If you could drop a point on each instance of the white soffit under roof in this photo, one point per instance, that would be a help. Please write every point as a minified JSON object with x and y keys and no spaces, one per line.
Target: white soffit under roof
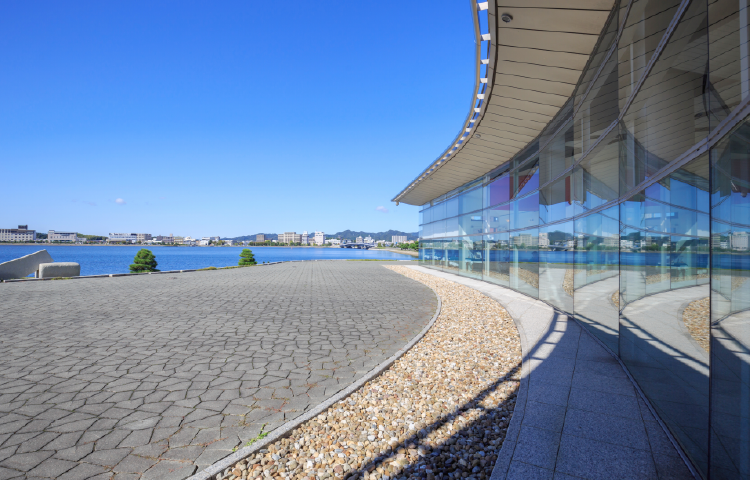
{"x":535,"y":62}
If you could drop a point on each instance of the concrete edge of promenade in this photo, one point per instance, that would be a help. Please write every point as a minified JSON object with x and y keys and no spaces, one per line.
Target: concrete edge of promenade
{"x":285,"y":429}
{"x":111,"y":275}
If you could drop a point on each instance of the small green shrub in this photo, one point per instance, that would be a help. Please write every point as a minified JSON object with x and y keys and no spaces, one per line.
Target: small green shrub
{"x":144,"y":261}
{"x":246,"y":257}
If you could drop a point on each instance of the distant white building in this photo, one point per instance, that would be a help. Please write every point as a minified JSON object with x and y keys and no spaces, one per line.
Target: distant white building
{"x":290,"y":237}
{"x":333,"y":241}
{"x":122,"y":237}
{"x":53,"y":236}
{"x":229,"y":242}
{"x":20,"y":234}
{"x":320,"y":238}
{"x":205,"y":241}
{"x":368,"y":239}
{"x":739,"y":241}
{"x":214,"y":239}
{"x":396,"y":239}
{"x":543,"y":239}
{"x":612,"y":240}
{"x":142,"y":237}
{"x":305,"y":238}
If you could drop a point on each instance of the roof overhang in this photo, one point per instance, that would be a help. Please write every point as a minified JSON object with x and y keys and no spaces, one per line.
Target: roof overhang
{"x":532,"y":65}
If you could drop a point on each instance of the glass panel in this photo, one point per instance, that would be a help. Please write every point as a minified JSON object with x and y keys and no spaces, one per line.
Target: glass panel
{"x":439,"y":253}
{"x":664,"y":329}
{"x":599,"y":109}
{"x":557,"y":156}
{"x":451,"y":207}
{"x":632,"y":254}
{"x":496,"y":254}
{"x":556,"y":201}
{"x":427,"y":215}
{"x":524,"y":261}
{"x":451,"y":227}
{"x":730,"y":305}
{"x":531,"y":150}
{"x":470,"y":201}
{"x":438,"y":229}
{"x":600,"y":52}
{"x":497,"y":219}
{"x":525,"y":212}
{"x":470,"y":224}
{"x":452,"y":255}
{"x":472,"y":257}
{"x":525,"y":179}
{"x":499,"y":190}
{"x":644,"y":29}
{"x":595,"y":281}
{"x":728,"y":46}
{"x":438,"y":212}
{"x":667,"y":116}
{"x":556,"y":263}
{"x":597,"y":176}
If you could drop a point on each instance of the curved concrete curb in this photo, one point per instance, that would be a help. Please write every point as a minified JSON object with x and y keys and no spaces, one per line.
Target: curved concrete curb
{"x":286,"y":428}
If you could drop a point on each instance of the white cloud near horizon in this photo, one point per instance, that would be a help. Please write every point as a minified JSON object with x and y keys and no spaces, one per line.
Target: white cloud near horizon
{"x":120,"y":201}
{"x":382,"y":209}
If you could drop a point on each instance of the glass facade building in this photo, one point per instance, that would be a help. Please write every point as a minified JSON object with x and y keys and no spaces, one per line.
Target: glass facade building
{"x":630,"y":211}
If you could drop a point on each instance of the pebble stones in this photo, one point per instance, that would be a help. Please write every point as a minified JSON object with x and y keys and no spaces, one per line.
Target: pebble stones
{"x":440,"y":411}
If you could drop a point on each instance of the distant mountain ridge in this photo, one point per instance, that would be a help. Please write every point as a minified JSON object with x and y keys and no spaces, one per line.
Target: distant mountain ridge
{"x":345,"y":235}
{"x":251,"y":238}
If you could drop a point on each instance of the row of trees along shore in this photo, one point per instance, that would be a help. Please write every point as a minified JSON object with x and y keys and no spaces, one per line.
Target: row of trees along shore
{"x":145,"y":261}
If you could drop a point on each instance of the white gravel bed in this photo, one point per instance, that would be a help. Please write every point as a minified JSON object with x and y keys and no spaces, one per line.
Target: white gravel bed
{"x":440,"y":411}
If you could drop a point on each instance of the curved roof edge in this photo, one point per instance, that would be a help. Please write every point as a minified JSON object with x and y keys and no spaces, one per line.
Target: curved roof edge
{"x":534,"y":54}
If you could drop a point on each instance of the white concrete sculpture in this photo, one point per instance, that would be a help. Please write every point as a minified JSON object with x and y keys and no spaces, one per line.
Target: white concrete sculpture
{"x":24,"y":266}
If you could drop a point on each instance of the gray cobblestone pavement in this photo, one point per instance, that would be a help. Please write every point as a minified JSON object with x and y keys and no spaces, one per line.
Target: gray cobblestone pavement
{"x":158,"y":376}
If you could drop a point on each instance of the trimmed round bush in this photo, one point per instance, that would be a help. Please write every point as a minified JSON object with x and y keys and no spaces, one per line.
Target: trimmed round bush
{"x":144,"y":261}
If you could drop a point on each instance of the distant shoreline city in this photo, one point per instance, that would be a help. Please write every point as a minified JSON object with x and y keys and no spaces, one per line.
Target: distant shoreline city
{"x":24,"y":235}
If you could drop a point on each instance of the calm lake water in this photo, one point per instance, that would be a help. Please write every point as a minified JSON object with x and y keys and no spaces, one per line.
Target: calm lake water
{"x":98,"y":260}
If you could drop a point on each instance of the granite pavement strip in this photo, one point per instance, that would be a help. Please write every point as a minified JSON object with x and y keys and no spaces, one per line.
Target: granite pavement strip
{"x":577,"y":414}
{"x":157,"y":376}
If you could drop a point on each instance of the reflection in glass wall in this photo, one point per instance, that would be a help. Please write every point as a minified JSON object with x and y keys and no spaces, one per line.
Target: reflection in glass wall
{"x":471,"y":260}
{"x":556,"y":265}
{"x":730,"y":306}
{"x":667,"y":115}
{"x":664,"y":301}
{"x":497,"y":254}
{"x":652,"y":256}
{"x":595,"y":282}
{"x":728,"y":46}
{"x":524,"y":261}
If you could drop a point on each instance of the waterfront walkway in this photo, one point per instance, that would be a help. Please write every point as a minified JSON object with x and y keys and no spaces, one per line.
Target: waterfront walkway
{"x":156,"y":376}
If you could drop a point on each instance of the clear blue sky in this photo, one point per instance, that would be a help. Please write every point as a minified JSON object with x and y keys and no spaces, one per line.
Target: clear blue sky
{"x":225,"y":118}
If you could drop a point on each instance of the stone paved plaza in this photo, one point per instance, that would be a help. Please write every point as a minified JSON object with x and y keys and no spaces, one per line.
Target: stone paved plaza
{"x":158,"y":376}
